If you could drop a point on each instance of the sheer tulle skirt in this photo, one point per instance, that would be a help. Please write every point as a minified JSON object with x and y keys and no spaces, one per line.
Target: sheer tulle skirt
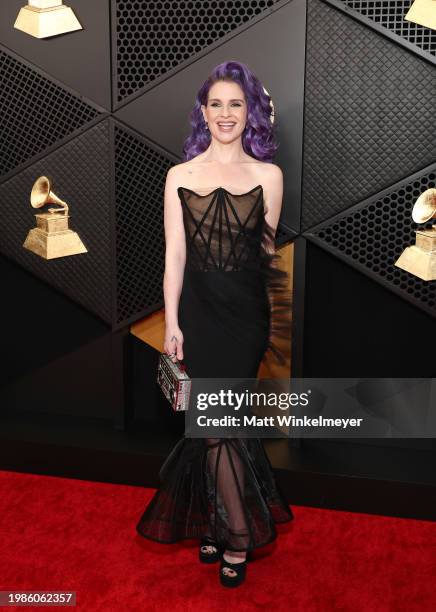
{"x":224,"y":488}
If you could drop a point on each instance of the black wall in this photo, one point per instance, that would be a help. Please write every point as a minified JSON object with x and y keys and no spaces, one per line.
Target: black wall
{"x":357,"y":328}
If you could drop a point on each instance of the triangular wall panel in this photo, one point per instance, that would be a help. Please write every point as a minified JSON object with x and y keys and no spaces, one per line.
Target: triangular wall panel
{"x":372,"y":236}
{"x":81,"y":173}
{"x":35,"y":112}
{"x":369,"y":115}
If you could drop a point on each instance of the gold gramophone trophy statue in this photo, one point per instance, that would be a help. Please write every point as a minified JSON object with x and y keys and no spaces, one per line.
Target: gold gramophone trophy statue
{"x":420,"y":259}
{"x":51,"y":237}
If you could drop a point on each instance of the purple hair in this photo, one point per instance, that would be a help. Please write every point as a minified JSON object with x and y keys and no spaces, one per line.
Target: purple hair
{"x":258,"y":138}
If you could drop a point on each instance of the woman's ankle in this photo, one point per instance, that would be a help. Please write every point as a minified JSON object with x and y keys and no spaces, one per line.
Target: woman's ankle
{"x":233,"y":556}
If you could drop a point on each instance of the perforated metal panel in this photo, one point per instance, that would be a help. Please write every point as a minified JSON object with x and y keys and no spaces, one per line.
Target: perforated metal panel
{"x":34,"y":112}
{"x":154,"y":37}
{"x":390,"y":14}
{"x":80,"y":170}
{"x":369,"y":117}
{"x":140,"y":173}
{"x":375,"y":234}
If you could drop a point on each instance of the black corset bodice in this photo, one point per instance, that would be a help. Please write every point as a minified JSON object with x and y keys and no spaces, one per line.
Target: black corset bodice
{"x":223,"y":230}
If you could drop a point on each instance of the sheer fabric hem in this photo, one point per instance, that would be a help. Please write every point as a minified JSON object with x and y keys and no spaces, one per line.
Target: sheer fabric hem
{"x":221,"y":488}
{"x":199,"y":536}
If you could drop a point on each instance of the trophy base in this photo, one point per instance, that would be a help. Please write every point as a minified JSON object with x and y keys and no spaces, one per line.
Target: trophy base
{"x":418,"y":262}
{"x":46,"y":22}
{"x":51,"y":246}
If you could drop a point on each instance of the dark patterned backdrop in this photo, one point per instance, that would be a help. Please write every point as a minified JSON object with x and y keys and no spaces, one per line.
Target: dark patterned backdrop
{"x":390,"y":15}
{"x":154,"y":37}
{"x":360,"y":153}
{"x":374,"y":233}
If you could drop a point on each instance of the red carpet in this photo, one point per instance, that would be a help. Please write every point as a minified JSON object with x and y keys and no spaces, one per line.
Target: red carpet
{"x":59,"y":534}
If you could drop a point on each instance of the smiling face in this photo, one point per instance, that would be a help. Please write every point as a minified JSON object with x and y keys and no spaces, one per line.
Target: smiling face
{"x":226,"y":111}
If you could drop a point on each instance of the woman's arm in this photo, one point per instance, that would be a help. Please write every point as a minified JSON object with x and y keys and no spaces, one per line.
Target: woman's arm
{"x":175,"y":258}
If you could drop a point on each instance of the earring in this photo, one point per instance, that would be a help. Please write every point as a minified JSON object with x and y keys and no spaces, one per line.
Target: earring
{"x":206,"y":127}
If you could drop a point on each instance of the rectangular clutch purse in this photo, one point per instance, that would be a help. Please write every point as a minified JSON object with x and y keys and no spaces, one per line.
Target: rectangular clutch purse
{"x":174,"y":382}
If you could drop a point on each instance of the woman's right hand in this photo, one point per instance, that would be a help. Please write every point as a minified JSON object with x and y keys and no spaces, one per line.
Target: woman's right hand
{"x":174,"y":342}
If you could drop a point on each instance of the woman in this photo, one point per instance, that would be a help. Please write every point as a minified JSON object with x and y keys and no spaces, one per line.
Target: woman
{"x":225,"y":301}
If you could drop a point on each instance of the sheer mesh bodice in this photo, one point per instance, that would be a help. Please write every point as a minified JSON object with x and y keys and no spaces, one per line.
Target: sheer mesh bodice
{"x":223,"y":230}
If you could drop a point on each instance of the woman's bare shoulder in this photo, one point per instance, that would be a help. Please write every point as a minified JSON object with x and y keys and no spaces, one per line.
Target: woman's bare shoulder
{"x":184,"y":167}
{"x":180,"y":168}
{"x":186,"y":173}
{"x":271,"y":169}
{"x":269,"y":173}
{"x":175,"y":173}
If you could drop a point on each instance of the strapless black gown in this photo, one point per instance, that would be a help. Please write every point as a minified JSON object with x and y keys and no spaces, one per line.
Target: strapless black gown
{"x":233,"y":305}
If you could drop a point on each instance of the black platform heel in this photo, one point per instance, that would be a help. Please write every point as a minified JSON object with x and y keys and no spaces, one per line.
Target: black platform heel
{"x":232,"y":574}
{"x":206,"y":556}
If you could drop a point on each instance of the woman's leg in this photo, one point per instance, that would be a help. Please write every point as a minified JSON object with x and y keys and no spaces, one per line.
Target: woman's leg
{"x":227,"y":473}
